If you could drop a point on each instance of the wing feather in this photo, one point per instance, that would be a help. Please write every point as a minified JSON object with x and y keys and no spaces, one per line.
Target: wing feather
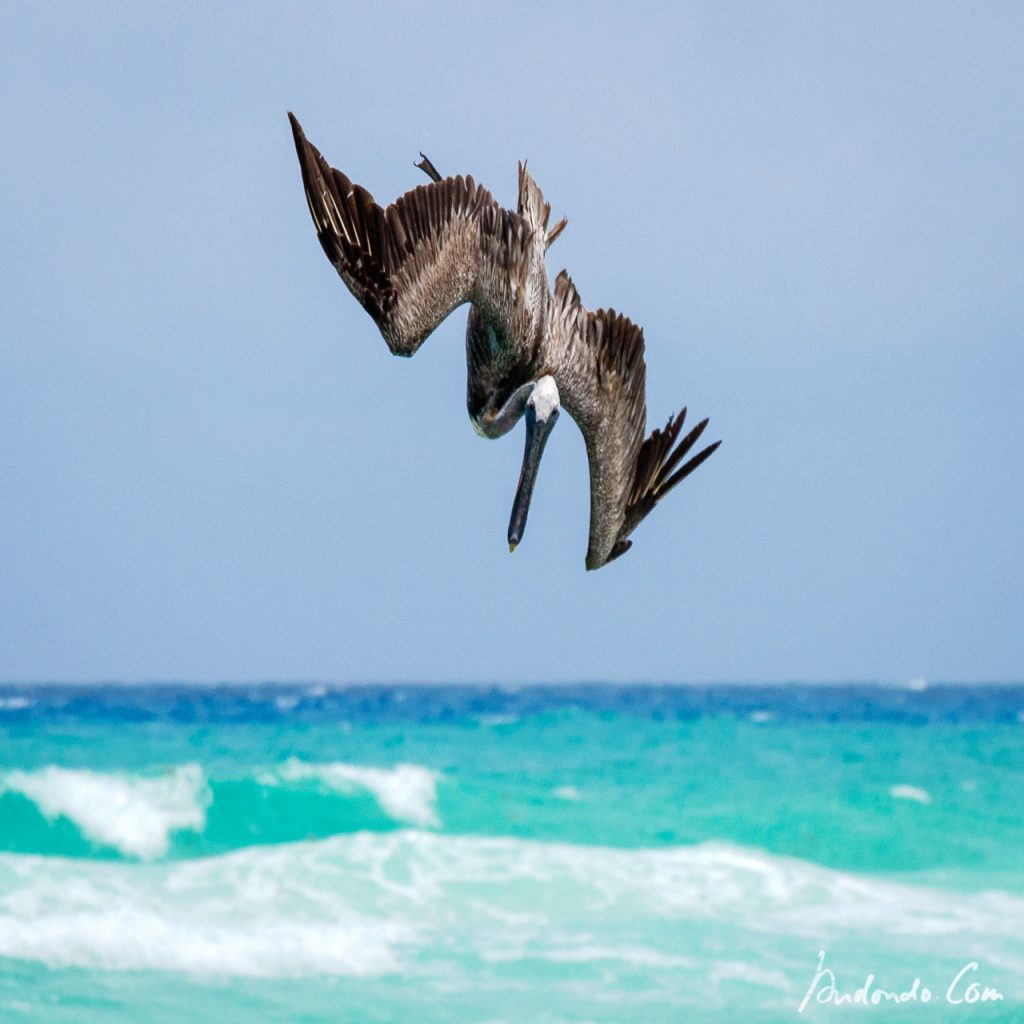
{"x":602,"y":381}
{"x":410,"y":265}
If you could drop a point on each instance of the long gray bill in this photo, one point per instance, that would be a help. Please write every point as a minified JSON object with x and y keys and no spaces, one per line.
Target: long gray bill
{"x":536,"y":438}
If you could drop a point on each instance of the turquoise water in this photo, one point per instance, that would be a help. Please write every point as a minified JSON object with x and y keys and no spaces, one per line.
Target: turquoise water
{"x":483,"y":854}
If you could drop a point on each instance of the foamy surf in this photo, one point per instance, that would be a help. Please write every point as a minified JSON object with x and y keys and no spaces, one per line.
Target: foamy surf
{"x":134,"y":814}
{"x":413,"y":902}
{"x":115,"y":917}
{"x":904,"y":791}
{"x":407,"y":792}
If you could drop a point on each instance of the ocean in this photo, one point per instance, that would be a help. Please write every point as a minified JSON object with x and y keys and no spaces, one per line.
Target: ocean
{"x":315,"y":853}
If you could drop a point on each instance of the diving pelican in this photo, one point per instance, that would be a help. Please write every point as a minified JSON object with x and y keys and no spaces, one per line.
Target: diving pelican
{"x":529,"y":349}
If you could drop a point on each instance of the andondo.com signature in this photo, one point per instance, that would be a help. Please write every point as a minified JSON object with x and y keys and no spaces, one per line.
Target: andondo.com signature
{"x":962,"y":990}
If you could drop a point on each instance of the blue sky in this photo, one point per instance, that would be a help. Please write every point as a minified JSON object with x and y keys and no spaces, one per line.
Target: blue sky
{"x":213,"y":469}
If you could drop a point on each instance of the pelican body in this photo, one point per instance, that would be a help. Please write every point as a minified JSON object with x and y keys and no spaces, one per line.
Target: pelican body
{"x":530,"y":348}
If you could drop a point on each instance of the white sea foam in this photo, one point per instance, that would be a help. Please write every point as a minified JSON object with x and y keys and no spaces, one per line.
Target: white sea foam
{"x":417,"y":902}
{"x":493,"y":721}
{"x":631,"y":954}
{"x":133,"y":813}
{"x":406,"y":792}
{"x":224,"y":916}
{"x":15,"y":703}
{"x":745,"y":971}
{"x":904,"y":791}
{"x":567,"y":793}
{"x":762,"y":717}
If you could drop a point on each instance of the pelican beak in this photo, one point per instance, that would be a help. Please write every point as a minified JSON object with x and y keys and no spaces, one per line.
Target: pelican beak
{"x":537,"y":431}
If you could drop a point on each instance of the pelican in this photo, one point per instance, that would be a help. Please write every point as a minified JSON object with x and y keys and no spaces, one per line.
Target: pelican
{"x":529,"y":348}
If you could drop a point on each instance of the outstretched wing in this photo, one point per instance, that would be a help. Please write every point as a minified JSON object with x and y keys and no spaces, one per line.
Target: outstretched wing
{"x":433,"y":249}
{"x":602,"y":383}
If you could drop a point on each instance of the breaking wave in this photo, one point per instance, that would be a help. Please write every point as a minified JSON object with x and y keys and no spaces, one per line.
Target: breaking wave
{"x":134,"y":814}
{"x":68,"y":811}
{"x":408,"y":901}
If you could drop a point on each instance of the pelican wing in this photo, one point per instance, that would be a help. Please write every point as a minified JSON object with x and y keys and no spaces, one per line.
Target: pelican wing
{"x":602,"y":381}
{"x":431,"y":250}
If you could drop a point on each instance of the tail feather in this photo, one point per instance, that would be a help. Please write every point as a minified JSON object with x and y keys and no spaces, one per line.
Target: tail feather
{"x":555,"y":232}
{"x":532,"y":207}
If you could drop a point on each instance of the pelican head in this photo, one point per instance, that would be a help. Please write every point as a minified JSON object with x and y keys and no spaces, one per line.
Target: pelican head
{"x":541,"y":415}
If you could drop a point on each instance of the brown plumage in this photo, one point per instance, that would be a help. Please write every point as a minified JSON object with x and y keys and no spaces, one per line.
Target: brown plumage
{"x":449,"y":242}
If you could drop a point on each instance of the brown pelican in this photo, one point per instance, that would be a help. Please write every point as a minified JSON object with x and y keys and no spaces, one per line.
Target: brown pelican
{"x":528,"y":349}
